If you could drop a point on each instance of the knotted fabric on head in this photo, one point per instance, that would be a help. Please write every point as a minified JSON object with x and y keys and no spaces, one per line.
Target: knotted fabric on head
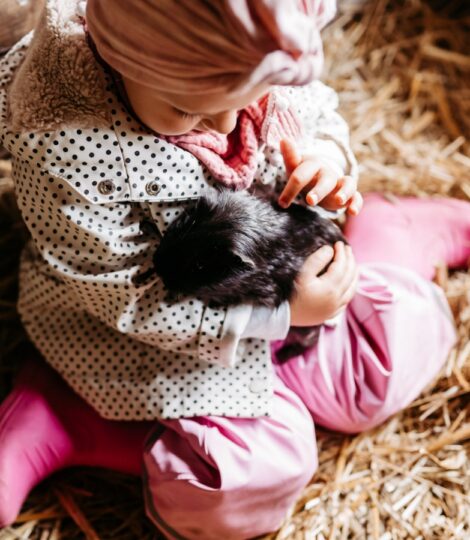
{"x":199,"y":46}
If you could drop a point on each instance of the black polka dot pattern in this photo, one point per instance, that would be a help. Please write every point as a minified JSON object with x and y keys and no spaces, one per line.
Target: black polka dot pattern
{"x":13,"y":58}
{"x":124,"y":346}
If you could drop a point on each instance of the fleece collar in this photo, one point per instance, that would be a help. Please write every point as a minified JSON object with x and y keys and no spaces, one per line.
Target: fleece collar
{"x":60,"y":82}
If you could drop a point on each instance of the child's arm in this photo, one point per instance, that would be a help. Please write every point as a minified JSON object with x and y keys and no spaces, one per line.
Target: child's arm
{"x":323,"y":148}
{"x":89,"y":256}
{"x":90,"y":253}
{"x":95,"y":267}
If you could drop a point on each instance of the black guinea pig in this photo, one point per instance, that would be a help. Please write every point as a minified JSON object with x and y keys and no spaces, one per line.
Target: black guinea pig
{"x":233,"y":248}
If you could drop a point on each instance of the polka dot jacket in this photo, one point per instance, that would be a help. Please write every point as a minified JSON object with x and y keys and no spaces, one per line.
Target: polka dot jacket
{"x":86,"y":175}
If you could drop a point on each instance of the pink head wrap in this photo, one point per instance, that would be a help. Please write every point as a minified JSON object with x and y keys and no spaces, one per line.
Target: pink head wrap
{"x":198,"y":46}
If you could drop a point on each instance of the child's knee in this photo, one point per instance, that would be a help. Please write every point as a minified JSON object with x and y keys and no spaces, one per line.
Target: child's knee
{"x":227,"y":478}
{"x":389,"y":345}
{"x":232,"y":503}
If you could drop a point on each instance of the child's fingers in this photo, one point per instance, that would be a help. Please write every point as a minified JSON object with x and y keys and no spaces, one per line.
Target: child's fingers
{"x":325,"y":184}
{"x":342,"y":195}
{"x":292,"y":159}
{"x":347,"y":191}
{"x":317,"y":261}
{"x":349,"y":271}
{"x":329,"y":202}
{"x":351,"y":291}
{"x":355,"y":205}
{"x":303,"y":176}
{"x":336,"y":269}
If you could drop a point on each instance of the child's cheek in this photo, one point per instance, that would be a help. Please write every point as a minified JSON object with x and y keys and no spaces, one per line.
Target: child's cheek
{"x":171,"y":125}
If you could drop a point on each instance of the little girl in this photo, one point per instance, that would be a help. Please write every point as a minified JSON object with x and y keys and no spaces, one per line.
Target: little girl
{"x":118,"y":112}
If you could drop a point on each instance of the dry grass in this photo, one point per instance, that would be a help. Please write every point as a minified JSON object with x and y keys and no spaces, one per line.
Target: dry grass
{"x":402,"y":70}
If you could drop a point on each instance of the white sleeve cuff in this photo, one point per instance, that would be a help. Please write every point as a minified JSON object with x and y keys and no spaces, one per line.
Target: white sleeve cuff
{"x":333,"y":149}
{"x":328,"y":149}
{"x":246,"y":321}
{"x":268,"y":323}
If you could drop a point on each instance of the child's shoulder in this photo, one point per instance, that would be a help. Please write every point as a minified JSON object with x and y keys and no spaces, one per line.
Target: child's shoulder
{"x":9,"y":64}
{"x":53,"y":79}
{"x":33,"y":129}
{"x":117,"y":161}
{"x":12,"y":59}
{"x":72,"y":126}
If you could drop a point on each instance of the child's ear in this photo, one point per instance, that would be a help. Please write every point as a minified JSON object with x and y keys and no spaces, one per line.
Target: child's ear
{"x":226,"y":262}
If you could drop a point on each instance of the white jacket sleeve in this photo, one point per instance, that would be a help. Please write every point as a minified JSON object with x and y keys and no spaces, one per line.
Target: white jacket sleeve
{"x":325,"y":133}
{"x":91,"y":254}
{"x":267,"y":323}
{"x":246,"y":321}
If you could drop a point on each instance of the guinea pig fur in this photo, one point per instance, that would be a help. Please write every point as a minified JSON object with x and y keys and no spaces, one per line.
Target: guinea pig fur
{"x":234,"y":248}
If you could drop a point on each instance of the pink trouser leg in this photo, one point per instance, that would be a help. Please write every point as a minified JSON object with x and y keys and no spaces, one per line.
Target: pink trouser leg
{"x":235,"y":478}
{"x":45,"y":426}
{"x":215,"y":478}
{"x":413,"y":233}
{"x":395,"y":335}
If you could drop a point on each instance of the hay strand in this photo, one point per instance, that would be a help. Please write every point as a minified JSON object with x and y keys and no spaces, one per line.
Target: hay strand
{"x":401,"y":68}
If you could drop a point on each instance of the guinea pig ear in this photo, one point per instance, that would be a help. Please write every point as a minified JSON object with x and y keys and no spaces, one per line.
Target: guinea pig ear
{"x":244,"y":259}
{"x":208,"y":200}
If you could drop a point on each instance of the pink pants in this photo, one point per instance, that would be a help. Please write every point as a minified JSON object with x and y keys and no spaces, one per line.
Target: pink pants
{"x":211,"y":478}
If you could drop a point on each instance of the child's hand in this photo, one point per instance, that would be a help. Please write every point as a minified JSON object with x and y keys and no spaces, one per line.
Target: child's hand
{"x":322,"y":181}
{"x":319,"y":298}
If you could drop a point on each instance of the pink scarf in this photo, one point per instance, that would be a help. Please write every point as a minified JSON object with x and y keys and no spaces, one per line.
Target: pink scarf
{"x":233,"y":159}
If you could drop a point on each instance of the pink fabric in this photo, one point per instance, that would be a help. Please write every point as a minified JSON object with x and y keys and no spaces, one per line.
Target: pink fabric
{"x":45,"y":426}
{"x":197,"y":47}
{"x":232,"y":478}
{"x":392,"y":341}
{"x":415,"y":233}
{"x":232,"y":159}
{"x":204,"y":476}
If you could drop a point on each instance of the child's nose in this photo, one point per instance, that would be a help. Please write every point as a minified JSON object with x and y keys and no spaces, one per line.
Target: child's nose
{"x":224,"y":122}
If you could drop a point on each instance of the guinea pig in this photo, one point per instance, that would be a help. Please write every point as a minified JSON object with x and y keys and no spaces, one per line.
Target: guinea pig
{"x":233,"y":247}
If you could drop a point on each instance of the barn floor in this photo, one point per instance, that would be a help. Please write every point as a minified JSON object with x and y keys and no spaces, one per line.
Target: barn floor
{"x":402,"y":72}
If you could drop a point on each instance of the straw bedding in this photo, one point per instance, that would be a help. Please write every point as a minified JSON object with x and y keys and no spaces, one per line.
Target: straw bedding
{"x":402,"y":69}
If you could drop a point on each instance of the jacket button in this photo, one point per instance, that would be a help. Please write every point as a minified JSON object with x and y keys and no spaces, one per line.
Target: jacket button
{"x":152,"y":188}
{"x":257,"y":385}
{"x":106,"y":187}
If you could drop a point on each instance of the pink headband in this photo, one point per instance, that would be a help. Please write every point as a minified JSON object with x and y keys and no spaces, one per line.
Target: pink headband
{"x":198,"y":46}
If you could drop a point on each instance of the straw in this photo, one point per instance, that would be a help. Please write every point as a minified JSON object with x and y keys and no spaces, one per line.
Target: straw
{"x":402,"y":70}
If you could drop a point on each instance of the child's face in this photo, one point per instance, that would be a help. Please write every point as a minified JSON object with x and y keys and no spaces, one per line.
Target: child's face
{"x":176,"y":114}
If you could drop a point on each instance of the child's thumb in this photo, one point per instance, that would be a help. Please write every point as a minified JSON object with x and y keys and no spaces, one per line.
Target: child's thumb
{"x":291,"y":157}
